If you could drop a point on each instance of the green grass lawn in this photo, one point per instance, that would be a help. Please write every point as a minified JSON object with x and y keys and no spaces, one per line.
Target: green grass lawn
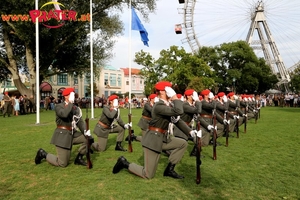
{"x":260,"y":164}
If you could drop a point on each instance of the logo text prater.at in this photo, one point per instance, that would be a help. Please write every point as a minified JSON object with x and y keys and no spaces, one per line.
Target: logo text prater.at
{"x":47,"y":16}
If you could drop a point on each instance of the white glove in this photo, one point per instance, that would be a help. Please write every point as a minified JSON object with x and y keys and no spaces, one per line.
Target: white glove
{"x":226,"y":122}
{"x":126,"y":126}
{"x":199,"y":133}
{"x":156,"y":99}
{"x":87,"y":133}
{"x":72,"y":97}
{"x":235,"y":97}
{"x":115,"y":102}
{"x":195,"y":96}
{"x":182,"y":98}
{"x":225,"y":99}
{"x":211,"y":95}
{"x":170,"y":92}
{"x":209,"y":127}
{"x":175,"y":119}
{"x":245,"y":115}
{"x":245,"y":99}
{"x":193,"y":133}
{"x":236,"y":116}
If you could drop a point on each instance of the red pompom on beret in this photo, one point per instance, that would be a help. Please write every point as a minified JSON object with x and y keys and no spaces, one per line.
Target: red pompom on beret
{"x":205,"y":92}
{"x":162,"y":84}
{"x":178,"y":96}
{"x":67,"y":91}
{"x":189,"y":92}
{"x":152,"y":96}
{"x":112,"y":97}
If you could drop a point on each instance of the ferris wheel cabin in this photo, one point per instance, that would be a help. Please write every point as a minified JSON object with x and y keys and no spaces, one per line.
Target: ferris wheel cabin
{"x":178,"y":29}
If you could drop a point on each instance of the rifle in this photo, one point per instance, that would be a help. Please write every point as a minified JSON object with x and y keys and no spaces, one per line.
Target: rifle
{"x":246,"y":118}
{"x":227,"y":126}
{"x":214,"y":133}
{"x":198,"y":152}
{"x":129,"y":134}
{"x":88,"y":145}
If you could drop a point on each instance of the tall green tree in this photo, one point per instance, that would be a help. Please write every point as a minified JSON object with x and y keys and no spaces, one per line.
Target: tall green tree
{"x":65,"y":49}
{"x":183,"y":69}
{"x":235,"y":64}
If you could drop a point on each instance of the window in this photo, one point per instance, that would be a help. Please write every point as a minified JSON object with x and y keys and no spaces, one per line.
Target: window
{"x":127,"y":82}
{"x":75,"y":79}
{"x":62,"y":79}
{"x":119,"y":80}
{"x":113,"y":80}
{"x":141,"y":82}
{"x":87,"y":79}
{"x":106,"y":79}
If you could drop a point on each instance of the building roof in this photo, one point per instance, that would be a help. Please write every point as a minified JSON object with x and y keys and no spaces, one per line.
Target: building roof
{"x":108,"y":67}
{"x":134,"y":71}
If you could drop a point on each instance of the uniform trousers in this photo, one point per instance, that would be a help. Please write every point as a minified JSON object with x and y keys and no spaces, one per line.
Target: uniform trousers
{"x":63,"y":155}
{"x":176,"y":145}
{"x":102,"y":141}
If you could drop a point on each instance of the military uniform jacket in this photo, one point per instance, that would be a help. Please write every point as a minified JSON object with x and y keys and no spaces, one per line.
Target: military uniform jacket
{"x":7,"y":100}
{"x":161,"y":117}
{"x":233,"y":107}
{"x":207,"y":109}
{"x":146,"y":116}
{"x":107,"y":117}
{"x":64,"y":116}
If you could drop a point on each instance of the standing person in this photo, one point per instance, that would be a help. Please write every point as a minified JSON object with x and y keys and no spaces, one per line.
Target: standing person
{"x":157,"y":139}
{"x":106,"y":125}
{"x":146,"y":116}
{"x":26,"y":104}
{"x":17,"y":106}
{"x":47,"y":102}
{"x":7,"y":105}
{"x":68,"y":118}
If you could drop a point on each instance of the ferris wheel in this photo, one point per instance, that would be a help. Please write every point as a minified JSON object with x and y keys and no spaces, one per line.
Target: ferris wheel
{"x":211,"y":23}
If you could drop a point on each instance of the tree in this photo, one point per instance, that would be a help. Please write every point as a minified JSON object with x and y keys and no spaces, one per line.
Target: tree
{"x":95,"y":89}
{"x":64,"y":49}
{"x":236,"y":64}
{"x":174,"y":65}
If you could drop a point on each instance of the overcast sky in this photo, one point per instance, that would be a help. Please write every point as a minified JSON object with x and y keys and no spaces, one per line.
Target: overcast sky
{"x":215,"y":23}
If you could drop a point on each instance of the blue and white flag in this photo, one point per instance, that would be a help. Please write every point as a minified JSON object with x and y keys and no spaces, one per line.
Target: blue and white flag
{"x":138,"y":26}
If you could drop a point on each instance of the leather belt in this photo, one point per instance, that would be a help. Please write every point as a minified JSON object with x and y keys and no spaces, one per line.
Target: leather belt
{"x":145,"y":117}
{"x":65,"y":127}
{"x":206,"y":116}
{"x":102,"y":124}
{"x":152,"y":128}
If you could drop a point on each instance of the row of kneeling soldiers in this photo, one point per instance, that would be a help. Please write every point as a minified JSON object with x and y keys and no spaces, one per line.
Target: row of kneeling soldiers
{"x":168,"y":122}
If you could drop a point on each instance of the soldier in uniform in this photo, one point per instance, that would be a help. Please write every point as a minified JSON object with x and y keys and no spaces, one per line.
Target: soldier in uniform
{"x":157,"y":138}
{"x":235,"y":112}
{"x":209,"y":107}
{"x":106,"y":125}
{"x":146,"y":116}
{"x":7,"y":105}
{"x":68,"y":117}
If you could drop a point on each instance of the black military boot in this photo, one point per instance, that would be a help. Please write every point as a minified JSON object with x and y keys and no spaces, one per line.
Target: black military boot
{"x":169,"y":171}
{"x":119,"y":147}
{"x":79,"y":160}
{"x":41,"y":154}
{"x":121,"y":164}
{"x":194,"y":151}
{"x":133,"y":137}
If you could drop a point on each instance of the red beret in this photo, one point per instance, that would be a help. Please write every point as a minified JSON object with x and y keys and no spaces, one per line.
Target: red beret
{"x":152,"y":96}
{"x":221,"y":94}
{"x":112,"y":97}
{"x":205,"y":92}
{"x":230,"y":94}
{"x":67,"y":91}
{"x":5,"y":92}
{"x":189,"y":92}
{"x":200,"y":98}
{"x":178,"y":96}
{"x":162,"y":84}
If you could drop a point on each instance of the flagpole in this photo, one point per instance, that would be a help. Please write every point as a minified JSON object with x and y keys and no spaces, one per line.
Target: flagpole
{"x":91,"y":61}
{"x":37,"y":66}
{"x":130,"y":25}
